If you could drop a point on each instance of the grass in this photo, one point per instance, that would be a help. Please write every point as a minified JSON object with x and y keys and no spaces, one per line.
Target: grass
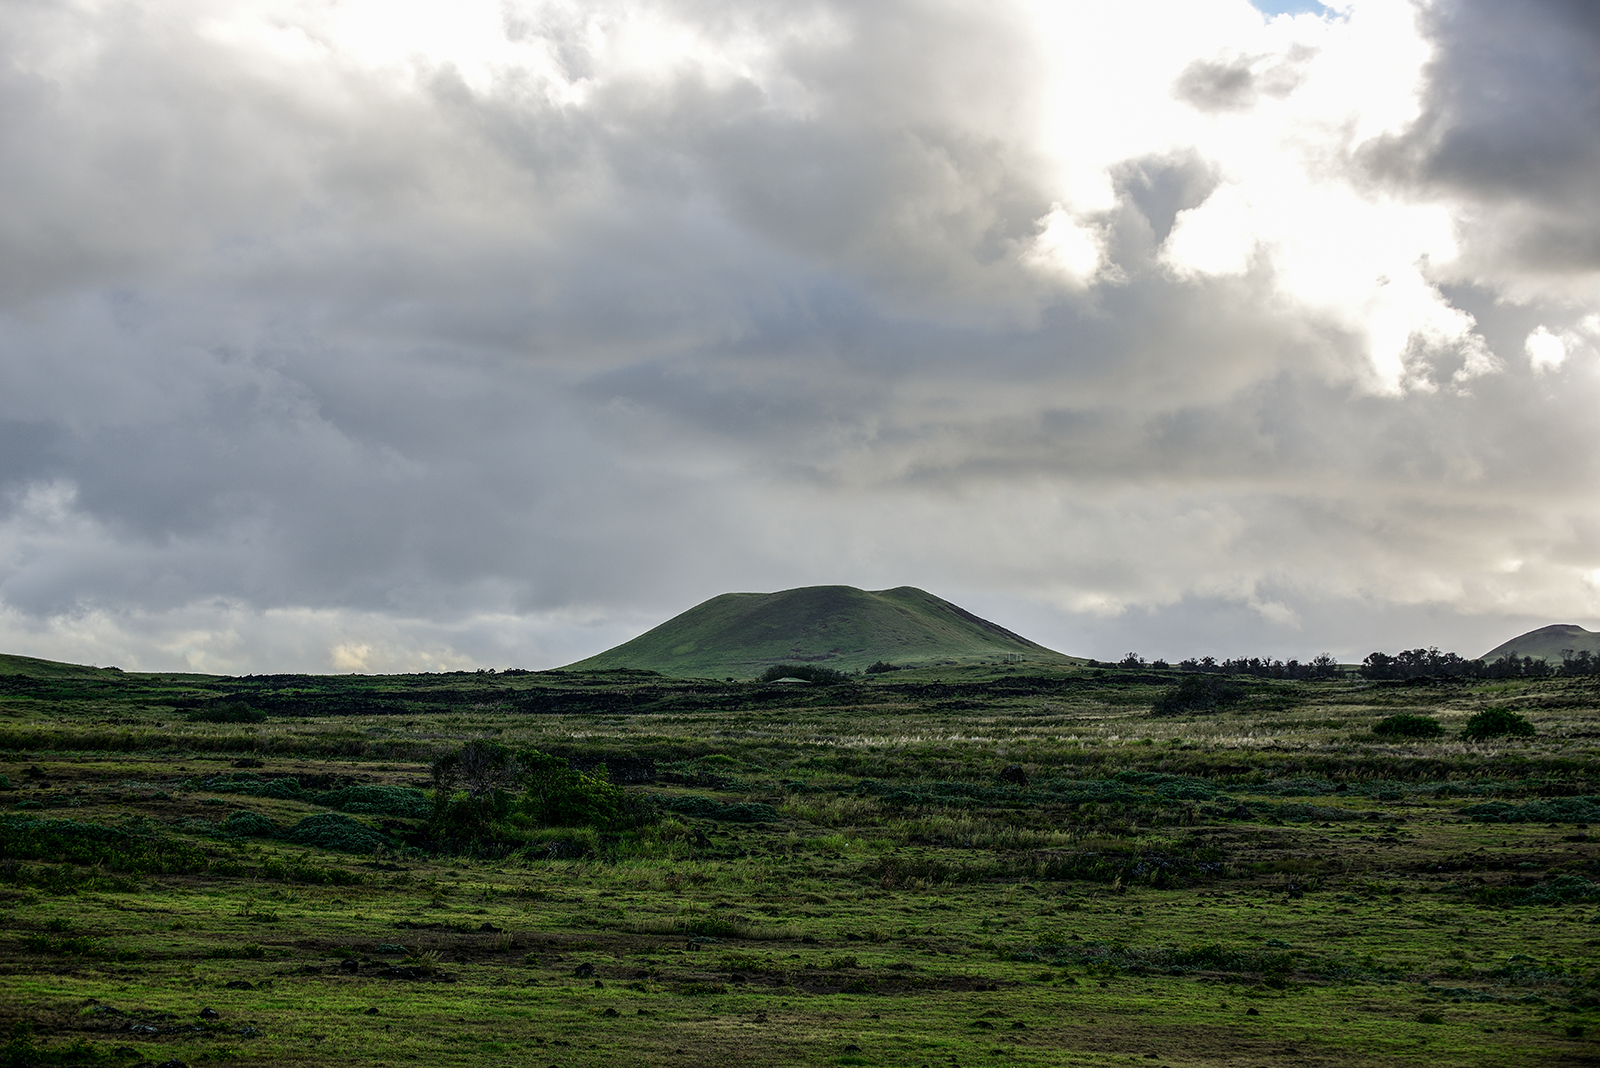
{"x":836,"y":876}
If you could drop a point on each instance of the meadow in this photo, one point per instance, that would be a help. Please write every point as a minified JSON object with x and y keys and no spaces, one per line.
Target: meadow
{"x":988,"y":864}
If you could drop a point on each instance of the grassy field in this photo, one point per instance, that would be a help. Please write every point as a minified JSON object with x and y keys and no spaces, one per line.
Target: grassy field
{"x":808,"y":876}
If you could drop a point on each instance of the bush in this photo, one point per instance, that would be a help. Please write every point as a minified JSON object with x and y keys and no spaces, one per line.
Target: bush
{"x":561,"y":797}
{"x":284,"y":789}
{"x":398,"y":802}
{"x":1407,"y":725}
{"x":820,"y":675}
{"x":1197,"y":693}
{"x":247,"y":824}
{"x":880,"y":667}
{"x":329,"y":830}
{"x":481,"y":784}
{"x":1496,"y":723}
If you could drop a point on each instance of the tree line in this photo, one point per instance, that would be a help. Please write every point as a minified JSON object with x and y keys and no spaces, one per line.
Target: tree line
{"x":1407,"y":664}
{"x":1431,"y":663}
{"x":1322,"y":666}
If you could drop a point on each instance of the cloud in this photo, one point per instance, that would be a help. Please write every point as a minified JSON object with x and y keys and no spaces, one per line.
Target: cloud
{"x":356,"y":337}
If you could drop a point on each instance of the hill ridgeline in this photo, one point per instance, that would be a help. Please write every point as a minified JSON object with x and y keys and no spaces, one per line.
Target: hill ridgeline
{"x":739,"y":635}
{"x":1547,"y":643}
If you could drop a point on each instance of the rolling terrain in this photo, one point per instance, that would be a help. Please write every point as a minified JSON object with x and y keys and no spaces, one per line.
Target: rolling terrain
{"x":1022,"y":865}
{"x":738,"y":635}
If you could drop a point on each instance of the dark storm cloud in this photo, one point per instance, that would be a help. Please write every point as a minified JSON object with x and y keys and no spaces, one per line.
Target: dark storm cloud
{"x":1512,"y":121}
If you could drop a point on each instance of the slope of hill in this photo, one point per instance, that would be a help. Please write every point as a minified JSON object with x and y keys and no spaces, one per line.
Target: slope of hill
{"x":48,"y":669}
{"x":739,"y":635}
{"x":1546,"y":643}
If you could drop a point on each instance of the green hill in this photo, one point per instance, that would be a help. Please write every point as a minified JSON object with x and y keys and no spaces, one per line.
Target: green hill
{"x":739,"y":635}
{"x":48,"y":669}
{"x":1547,"y":643}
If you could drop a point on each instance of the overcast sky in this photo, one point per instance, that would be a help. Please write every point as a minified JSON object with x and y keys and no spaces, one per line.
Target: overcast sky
{"x":366,"y":335}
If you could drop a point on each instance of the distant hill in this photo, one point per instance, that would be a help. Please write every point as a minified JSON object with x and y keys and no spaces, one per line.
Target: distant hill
{"x":739,"y":635}
{"x":1546,"y":643}
{"x":48,"y":669}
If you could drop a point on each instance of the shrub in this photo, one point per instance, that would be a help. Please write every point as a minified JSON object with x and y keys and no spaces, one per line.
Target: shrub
{"x":1197,"y":693}
{"x":1407,"y":725}
{"x":476,"y":791}
{"x":879,"y":667}
{"x":562,"y":797}
{"x":249,"y":824}
{"x":820,"y":675}
{"x":329,"y":830}
{"x":1495,"y":723}
{"x":399,"y":802}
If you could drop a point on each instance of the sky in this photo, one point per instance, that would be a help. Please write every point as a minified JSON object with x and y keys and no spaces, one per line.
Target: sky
{"x":366,"y":335}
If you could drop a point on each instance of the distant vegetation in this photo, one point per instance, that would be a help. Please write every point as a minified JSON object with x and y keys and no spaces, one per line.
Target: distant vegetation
{"x":1431,"y":663}
{"x":809,"y":672}
{"x":1408,"y":725}
{"x":1320,"y":667}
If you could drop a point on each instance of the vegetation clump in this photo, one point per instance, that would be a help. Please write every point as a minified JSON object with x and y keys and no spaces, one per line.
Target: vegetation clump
{"x":1497,"y":723}
{"x":809,"y":672}
{"x":247,"y":824}
{"x":485,"y":793}
{"x":330,"y":830}
{"x":397,"y":802}
{"x":232,"y":712}
{"x":1408,"y":725}
{"x":1197,"y":693}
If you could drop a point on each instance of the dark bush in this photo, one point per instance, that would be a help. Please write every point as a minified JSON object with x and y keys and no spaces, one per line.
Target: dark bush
{"x":1197,"y":693}
{"x":880,"y":666}
{"x":1496,"y":723}
{"x":398,"y":802}
{"x":329,"y":830}
{"x":247,"y":824}
{"x":820,"y":675}
{"x":1407,"y":725}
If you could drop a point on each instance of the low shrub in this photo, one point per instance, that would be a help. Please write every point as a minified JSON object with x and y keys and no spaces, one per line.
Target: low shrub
{"x":397,"y":802}
{"x":247,"y":824}
{"x":1497,"y":723}
{"x":1407,"y":725}
{"x":810,"y":672}
{"x":1197,"y":693}
{"x":330,"y":830}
